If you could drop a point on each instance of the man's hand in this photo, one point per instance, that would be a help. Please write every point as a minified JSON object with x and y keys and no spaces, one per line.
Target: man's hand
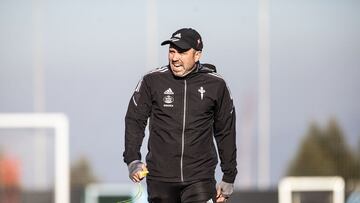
{"x":224,"y":190}
{"x":137,"y":171}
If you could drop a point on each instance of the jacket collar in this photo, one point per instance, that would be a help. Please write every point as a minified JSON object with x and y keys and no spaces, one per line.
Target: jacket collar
{"x":199,"y":68}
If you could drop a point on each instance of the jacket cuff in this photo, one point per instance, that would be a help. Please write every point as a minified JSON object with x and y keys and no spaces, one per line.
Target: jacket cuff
{"x":228,"y":179}
{"x":134,"y":162}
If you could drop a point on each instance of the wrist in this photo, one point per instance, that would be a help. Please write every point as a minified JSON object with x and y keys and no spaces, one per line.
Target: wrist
{"x":133,"y":162}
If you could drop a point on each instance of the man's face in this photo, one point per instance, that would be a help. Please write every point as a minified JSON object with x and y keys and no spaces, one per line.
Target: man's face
{"x":182,"y":61}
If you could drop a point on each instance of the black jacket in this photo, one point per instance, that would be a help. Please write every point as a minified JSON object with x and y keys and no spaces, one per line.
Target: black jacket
{"x":184,"y":116}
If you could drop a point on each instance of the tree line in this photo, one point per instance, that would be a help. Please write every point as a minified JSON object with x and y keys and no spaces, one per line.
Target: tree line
{"x":325,"y":152}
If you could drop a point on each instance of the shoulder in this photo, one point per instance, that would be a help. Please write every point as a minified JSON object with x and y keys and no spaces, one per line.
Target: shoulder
{"x":149,"y":76}
{"x":220,"y":81}
{"x":157,"y":71}
{"x":215,"y":77}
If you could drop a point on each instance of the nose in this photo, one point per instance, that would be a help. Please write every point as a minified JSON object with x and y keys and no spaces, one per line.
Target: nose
{"x":176,"y":56}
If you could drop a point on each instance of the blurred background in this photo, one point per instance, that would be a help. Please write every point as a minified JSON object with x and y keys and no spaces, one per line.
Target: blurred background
{"x":293,"y":68}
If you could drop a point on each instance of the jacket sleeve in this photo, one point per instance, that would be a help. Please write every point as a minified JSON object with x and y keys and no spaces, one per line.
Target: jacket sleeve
{"x":225,"y":133}
{"x":136,"y":120}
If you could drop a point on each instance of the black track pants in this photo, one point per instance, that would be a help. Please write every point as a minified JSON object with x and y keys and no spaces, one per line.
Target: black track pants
{"x":202,"y":191}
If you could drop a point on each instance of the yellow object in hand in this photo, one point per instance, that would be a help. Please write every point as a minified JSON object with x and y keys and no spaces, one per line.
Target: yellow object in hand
{"x":143,"y":173}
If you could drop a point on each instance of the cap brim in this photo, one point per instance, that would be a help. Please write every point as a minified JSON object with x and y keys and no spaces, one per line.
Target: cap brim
{"x":180,"y":43}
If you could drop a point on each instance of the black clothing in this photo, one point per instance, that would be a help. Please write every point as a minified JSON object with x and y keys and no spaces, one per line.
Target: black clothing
{"x":185,"y":113}
{"x":200,"y":191}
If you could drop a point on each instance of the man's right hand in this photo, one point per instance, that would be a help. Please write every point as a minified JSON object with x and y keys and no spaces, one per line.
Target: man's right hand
{"x":137,"y":171}
{"x":224,"y":190}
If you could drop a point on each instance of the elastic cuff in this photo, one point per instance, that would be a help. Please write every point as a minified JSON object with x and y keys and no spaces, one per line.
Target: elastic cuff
{"x":134,"y":162}
{"x":228,"y":179}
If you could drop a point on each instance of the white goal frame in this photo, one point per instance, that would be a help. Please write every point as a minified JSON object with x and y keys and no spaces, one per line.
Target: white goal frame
{"x":59,"y":122}
{"x":333,"y":184}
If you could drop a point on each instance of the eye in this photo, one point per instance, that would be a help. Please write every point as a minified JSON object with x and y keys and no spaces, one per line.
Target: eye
{"x":184,"y":53}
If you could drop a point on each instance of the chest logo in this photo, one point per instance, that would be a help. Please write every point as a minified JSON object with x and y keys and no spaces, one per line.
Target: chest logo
{"x":202,"y":92}
{"x":168,"y":99}
{"x":168,"y":91}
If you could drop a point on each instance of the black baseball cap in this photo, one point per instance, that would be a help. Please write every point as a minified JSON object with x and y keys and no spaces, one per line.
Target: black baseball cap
{"x":185,"y":38}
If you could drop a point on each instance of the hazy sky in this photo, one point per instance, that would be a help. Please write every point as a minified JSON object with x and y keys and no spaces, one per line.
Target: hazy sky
{"x":94,"y":53}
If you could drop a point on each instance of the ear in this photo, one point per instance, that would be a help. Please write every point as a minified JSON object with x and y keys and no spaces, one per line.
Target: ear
{"x":197,"y":56}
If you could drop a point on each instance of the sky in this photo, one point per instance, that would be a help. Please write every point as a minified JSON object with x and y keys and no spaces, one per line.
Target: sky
{"x":94,"y":53}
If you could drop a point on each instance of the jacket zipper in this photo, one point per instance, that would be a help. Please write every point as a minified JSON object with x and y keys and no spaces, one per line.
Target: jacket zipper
{"x":183,"y":134}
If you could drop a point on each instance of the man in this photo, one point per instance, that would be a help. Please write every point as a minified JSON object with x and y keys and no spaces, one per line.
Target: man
{"x":187,"y":104}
